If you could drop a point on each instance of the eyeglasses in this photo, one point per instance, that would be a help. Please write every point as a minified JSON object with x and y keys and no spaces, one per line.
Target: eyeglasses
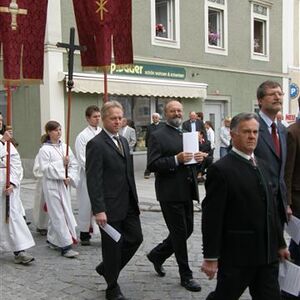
{"x":280,"y":94}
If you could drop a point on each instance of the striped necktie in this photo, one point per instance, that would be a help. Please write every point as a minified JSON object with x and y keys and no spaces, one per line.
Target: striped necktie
{"x":120,"y":147}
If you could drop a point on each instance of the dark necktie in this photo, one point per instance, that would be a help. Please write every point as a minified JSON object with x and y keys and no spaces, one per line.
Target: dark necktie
{"x":120,"y":147}
{"x":275,"y":139}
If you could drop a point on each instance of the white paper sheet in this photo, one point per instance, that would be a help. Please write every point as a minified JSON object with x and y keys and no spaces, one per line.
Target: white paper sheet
{"x":293,"y":229}
{"x":112,"y":232}
{"x":289,"y":277}
{"x":190,"y":144}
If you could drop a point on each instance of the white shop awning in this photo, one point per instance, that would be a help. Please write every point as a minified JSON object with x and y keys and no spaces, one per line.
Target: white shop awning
{"x":138,"y":86}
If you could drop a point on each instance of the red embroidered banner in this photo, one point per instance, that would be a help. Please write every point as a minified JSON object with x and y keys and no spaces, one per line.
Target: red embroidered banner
{"x":104,"y":25}
{"x":22,"y":34}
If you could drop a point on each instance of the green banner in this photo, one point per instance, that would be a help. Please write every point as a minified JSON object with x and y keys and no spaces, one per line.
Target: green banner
{"x":147,"y":70}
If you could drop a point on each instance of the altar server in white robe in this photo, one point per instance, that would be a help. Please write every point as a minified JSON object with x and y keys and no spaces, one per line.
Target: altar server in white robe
{"x":39,"y":213}
{"x":14,"y":235}
{"x":86,"y":223}
{"x":56,"y":188}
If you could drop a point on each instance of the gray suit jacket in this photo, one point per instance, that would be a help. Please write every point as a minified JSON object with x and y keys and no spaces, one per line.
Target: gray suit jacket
{"x":265,"y":150}
{"x":130,"y":136}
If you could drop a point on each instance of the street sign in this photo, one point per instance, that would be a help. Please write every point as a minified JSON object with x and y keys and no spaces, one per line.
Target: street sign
{"x":294,"y":90}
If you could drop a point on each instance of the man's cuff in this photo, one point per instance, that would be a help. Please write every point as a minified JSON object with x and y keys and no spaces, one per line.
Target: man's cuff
{"x":176,"y":160}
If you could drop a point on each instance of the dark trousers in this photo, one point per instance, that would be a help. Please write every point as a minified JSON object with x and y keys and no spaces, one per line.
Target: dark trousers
{"x":117,"y":254}
{"x":261,"y":280}
{"x":179,"y":218}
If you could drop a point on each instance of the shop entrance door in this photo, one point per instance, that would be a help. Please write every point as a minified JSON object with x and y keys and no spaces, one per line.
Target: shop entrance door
{"x":214,"y":111}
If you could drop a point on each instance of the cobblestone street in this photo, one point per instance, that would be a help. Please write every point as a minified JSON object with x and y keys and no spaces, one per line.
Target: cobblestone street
{"x":52,"y":276}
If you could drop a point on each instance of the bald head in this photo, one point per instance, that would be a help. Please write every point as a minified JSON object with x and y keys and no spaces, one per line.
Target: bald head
{"x":193,"y":116}
{"x":174,"y":113}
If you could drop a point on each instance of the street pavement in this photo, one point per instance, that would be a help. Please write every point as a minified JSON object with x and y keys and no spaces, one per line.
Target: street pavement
{"x":52,"y":276}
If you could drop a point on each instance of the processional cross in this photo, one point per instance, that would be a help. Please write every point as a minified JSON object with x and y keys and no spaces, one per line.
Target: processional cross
{"x":14,"y":10}
{"x":71,"y":47}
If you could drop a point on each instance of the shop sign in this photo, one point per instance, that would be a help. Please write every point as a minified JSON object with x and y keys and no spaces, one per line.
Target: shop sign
{"x":290,"y":117}
{"x":147,"y":70}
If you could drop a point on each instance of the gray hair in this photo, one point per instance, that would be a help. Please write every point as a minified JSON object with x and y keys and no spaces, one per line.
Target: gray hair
{"x":156,"y":115}
{"x":108,"y":105}
{"x":236,"y":120}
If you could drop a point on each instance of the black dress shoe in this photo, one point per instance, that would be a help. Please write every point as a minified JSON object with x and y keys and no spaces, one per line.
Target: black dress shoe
{"x":157,"y":267}
{"x":191,"y":285}
{"x":99,"y":269}
{"x":116,"y":297}
{"x":210,"y":296}
{"x":115,"y":294}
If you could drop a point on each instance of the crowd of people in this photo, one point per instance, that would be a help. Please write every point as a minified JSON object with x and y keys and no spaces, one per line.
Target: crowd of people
{"x":243,"y":217}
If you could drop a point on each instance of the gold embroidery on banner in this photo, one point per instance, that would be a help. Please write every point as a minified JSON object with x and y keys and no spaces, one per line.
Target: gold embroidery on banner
{"x":101,"y":8}
{"x":14,"y":10}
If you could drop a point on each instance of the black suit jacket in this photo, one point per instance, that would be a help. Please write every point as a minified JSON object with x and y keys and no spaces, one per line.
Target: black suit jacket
{"x":265,"y":150}
{"x":151,"y":128}
{"x":240,"y":221}
{"x":186,"y":126}
{"x":110,"y":177}
{"x":172,"y":182}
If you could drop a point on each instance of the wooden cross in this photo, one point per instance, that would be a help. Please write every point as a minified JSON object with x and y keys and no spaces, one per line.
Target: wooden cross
{"x":71,"y":47}
{"x":14,"y":10}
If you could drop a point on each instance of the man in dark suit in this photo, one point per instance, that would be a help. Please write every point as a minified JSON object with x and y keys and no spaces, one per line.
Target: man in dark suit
{"x":204,"y":146}
{"x":271,"y":145}
{"x":292,"y":179}
{"x":156,"y":124}
{"x":242,"y":235}
{"x":176,"y":188}
{"x":112,"y":191}
{"x":193,"y":124}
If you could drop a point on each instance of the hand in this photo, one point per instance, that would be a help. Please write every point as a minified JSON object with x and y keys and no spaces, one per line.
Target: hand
{"x":210,"y":268}
{"x":7,"y":136}
{"x":184,"y":157}
{"x":66,"y":160}
{"x":9,"y":190}
{"x":199,"y":156}
{"x":67,"y":181}
{"x":101,"y":219}
{"x":284,"y":253}
{"x":289,"y":212}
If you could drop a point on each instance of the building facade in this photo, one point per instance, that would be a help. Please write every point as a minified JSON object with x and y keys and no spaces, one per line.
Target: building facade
{"x":211,"y":55}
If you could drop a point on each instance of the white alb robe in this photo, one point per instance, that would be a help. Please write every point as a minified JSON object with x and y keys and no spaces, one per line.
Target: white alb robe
{"x":40,"y":216}
{"x":14,"y":236}
{"x":62,"y":223}
{"x":85,"y":216}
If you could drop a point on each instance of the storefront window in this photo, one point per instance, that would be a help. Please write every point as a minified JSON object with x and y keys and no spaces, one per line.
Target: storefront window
{"x":141,"y":115}
{"x":3,"y":104}
{"x":139,"y":109}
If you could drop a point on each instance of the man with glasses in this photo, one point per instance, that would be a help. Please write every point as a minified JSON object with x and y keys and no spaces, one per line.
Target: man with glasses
{"x":271,"y":145}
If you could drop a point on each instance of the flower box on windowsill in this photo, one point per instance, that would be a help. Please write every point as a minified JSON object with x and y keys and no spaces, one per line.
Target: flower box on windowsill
{"x":213,"y":38}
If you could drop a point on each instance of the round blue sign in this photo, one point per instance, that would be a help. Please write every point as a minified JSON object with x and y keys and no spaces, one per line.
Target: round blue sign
{"x":294,"y":90}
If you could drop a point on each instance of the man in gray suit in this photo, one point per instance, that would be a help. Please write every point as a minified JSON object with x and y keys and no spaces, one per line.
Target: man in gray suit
{"x":271,"y":145}
{"x":129,"y":134}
